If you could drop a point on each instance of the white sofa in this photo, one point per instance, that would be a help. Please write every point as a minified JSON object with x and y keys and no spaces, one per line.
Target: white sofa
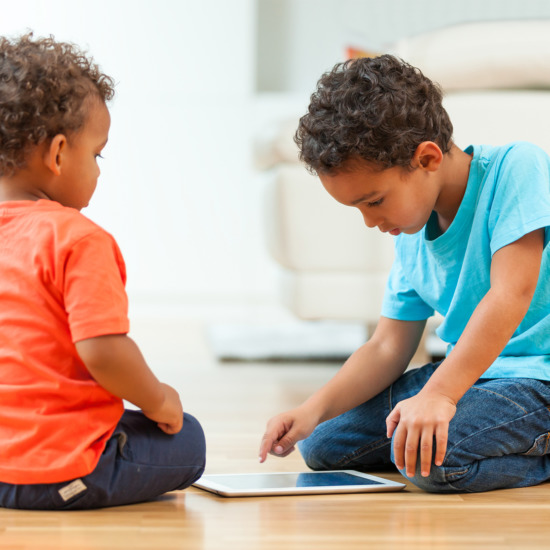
{"x":496,"y":78}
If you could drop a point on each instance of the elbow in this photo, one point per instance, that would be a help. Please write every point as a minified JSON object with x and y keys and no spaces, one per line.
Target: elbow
{"x":518,"y":299}
{"x":524,"y":293}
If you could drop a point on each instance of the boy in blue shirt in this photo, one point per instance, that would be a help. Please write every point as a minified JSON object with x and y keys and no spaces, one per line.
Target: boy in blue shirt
{"x":471,"y":229}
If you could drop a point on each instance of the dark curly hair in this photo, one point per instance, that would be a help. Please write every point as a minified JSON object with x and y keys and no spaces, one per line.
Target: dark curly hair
{"x":377,"y":109}
{"x":44,"y":86}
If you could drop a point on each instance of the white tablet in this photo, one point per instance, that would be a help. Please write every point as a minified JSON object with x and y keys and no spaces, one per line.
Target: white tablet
{"x":295,"y":483}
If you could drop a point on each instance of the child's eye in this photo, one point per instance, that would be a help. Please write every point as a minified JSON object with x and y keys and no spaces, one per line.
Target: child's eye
{"x":98,"y":156}
{"x":375,"y":203}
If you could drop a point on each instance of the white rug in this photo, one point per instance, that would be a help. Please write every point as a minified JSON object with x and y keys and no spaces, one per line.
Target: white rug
{"x":286,"y":341}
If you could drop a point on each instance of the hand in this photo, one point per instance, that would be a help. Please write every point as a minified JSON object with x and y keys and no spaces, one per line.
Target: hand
{"x":169,"y":416}
{"x":284,"y":431}
{"x":420,"y":419}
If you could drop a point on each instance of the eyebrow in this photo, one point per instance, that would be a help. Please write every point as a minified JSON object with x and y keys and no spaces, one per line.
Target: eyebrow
{"x":364,"y":197}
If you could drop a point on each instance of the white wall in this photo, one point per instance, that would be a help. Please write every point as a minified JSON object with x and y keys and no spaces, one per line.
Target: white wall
{"x":177,"y":189}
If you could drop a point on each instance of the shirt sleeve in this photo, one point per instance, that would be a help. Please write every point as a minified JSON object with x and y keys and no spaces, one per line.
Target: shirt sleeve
{"x":401,"y":301}
{"x":521,"y":202}
{"x":94,"y":288}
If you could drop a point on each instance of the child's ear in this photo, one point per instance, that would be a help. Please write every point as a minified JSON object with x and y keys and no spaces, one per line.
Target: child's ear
{"x":53,"y":156}
{"x":428,"y":156}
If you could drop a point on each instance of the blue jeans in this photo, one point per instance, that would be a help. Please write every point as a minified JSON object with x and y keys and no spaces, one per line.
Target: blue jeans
{"x":499,"y":437}
{"x":140,"y":462}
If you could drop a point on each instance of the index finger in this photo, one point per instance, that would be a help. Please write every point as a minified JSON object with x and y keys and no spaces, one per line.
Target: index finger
{"x":266,"y":445}
{"x":399,"y":440}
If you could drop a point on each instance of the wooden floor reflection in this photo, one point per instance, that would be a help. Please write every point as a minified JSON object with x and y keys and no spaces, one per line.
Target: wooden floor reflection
{"x":194,"y":519}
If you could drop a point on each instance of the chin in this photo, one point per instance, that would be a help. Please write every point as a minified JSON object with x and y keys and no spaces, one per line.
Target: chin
{"x":412,"y":231}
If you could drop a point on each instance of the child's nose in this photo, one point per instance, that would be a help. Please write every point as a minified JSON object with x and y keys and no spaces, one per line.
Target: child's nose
{"x":369,"y":219}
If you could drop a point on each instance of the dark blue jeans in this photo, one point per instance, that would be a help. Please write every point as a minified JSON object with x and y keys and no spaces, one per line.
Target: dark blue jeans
{"x":498,"y":438}
{"x":139,"y":463}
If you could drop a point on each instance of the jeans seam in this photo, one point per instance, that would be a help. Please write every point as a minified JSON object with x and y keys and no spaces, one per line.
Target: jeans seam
{"x":503,"y":397}
{"x":363,"y":451}
{"x":458,"y":443}
{"x":487,"y":430}
{"x":449,"y":477}
{"x":450,"y":451}
{"x":176,"y":467}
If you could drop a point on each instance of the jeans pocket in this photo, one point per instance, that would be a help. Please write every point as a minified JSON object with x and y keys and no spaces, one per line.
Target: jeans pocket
{"x":121,"y":439}
{"x":540,"y":447}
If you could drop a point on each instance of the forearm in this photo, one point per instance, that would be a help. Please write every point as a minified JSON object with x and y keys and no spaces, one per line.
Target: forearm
{"x":117,"y":364}
{"x":489,"y":330}
{"x":356,"y":382}
{"x":368,"y":371}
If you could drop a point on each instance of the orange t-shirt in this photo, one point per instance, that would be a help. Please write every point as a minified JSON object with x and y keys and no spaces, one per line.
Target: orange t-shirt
{"x":62,"y":280}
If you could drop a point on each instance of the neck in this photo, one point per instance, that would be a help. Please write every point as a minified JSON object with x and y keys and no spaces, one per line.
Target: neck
{"x":9,"y":193}
{"x":27,"y":183}
{"x":456,"y":171}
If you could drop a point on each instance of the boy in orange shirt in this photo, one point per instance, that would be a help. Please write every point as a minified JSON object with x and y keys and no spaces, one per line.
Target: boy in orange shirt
{"x":66,"y":362}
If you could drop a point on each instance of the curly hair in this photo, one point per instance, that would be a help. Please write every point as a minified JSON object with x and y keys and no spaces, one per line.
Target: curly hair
{"x":376,"y":109}
{"x":44,"y":87}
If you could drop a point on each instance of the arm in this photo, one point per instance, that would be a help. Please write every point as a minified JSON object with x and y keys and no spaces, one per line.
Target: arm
{"x":368,"y":371}
{"x":116,"y":363}
{"x":514,"y":275}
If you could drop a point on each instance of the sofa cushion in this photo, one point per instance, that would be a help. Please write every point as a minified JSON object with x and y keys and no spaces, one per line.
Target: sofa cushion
{"x":306,"y":229}
{"x":497,"y":117}
{"x":496,"y":54}
{"x":350,"y":296}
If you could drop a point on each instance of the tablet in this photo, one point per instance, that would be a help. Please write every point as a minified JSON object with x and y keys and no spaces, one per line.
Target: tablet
{"x":295,"y":483}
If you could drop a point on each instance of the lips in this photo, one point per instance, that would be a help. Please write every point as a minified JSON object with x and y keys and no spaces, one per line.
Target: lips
{"x":395,"y":231}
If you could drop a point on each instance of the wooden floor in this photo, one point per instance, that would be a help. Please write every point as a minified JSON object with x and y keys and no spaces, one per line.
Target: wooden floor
{"x":233,"y":401}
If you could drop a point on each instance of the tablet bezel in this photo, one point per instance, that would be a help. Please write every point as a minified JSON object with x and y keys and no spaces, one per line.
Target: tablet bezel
{"x":210,"y":483}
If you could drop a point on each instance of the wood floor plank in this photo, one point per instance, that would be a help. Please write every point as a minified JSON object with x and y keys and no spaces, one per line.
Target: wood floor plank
{"x":233,"y":402}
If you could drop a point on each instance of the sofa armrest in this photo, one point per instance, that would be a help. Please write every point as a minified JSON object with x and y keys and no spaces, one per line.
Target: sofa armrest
{"x":307,"y":230}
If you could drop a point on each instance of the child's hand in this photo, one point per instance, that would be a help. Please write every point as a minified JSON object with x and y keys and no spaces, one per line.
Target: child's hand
{"x":284,"y":431}
{"x":417,"y":421}
{"x":169,"y":416}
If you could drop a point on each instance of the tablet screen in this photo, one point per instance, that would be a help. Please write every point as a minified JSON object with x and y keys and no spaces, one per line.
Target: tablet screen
{"x":283,"y":480}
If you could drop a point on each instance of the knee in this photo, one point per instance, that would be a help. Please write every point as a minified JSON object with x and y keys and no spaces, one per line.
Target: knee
{"x":434,"y":482}
{"x":193,"y":436}
{"x":315,"y":451}
{"x":191,"y":445}
{"x":192,"y":427}
{"x":437,"y":481}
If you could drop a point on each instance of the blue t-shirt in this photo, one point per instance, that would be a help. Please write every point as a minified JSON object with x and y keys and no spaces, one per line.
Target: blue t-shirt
{"x":506,"y":197}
